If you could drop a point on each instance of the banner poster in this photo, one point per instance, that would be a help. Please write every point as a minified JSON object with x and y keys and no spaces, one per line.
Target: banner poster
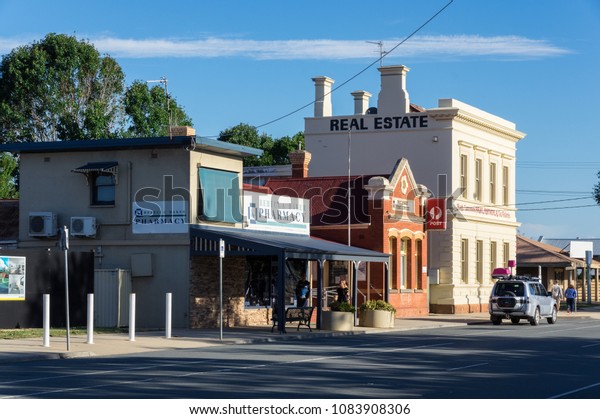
{"x":12,"y":278}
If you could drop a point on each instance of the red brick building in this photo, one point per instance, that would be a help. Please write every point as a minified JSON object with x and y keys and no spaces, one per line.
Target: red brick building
{"x":386,"y":215}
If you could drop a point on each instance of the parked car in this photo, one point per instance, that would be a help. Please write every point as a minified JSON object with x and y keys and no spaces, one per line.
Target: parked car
{"x":518,"y":297}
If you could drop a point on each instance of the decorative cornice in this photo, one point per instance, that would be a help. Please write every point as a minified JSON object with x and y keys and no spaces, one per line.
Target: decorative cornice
{"x":475,"y":121}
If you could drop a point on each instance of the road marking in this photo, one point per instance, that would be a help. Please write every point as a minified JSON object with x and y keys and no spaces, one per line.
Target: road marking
{"x":577,"y":390}
{"x":468,"y":366}
{"x":590,"y":345}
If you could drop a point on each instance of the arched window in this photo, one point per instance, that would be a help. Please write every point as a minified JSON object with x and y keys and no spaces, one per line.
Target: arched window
{"x":404,"y":263}
{"x":394,"y":280}
{"x":419,"y":263}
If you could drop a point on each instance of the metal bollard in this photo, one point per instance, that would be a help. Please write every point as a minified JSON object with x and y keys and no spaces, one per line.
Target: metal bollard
{"x":46,"y":308}
{"x":168,"y":315}
{"x":90,"y":319}
{"x":132,"y":317}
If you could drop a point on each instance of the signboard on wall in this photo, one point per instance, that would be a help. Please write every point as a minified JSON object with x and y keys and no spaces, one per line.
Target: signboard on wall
{"x":12,"y":278}
{"x":159,"y":217}
{"x":435,"y":218}
{"x":279,"y":213}
{"x":577,"y":249}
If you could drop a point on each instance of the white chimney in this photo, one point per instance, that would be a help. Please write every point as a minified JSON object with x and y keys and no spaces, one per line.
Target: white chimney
{"x":323,"y":96}
{"x":393,"y":97}
{"x":361,"y":101}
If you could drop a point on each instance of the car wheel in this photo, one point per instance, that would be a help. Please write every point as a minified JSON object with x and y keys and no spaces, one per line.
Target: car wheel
{"x":514,"y":320}
{"x":496,"y":320}
{"x":535,"y":320}
{"x":552,"y":319}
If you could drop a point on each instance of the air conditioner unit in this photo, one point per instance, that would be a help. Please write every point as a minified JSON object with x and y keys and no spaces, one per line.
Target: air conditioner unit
{"x":83,"y":227}
{"x":42,"y":224}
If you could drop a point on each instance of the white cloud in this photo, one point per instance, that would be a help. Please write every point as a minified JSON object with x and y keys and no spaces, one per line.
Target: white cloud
{"x":419,"y":46}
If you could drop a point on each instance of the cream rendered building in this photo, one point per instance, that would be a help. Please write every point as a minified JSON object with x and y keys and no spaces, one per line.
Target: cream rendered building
{"x":457,"y":151}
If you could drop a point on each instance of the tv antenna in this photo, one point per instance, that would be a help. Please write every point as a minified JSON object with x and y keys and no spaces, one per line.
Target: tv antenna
{"x":381,"y":51}
{"x":163,"y":80}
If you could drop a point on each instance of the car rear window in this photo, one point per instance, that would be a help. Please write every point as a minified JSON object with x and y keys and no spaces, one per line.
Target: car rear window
{"x":516,"y":288}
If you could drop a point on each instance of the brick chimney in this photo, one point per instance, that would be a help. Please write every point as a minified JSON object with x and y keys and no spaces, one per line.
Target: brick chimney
{"x":323,"y":96}
{"x":300,"y":160}
{"x":393,"y":97}
{"x":182,"y":131}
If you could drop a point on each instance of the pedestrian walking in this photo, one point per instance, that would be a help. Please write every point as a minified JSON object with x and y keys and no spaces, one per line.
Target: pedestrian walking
{"x":571,"y":296}
{"x":557,"y":294}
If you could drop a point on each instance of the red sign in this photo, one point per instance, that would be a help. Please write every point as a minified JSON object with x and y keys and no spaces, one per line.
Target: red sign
{"x":435,"y":219}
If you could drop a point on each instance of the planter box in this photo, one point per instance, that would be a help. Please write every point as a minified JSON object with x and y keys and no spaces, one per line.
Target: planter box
{"x":376,"y":318}
{"x":337,"y":320}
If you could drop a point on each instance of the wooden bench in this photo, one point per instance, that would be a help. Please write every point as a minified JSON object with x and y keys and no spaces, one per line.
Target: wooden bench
{"x":301,"y":315}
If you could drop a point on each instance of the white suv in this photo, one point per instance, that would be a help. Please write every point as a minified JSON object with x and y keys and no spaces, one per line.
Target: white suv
{"x":521,"y":298}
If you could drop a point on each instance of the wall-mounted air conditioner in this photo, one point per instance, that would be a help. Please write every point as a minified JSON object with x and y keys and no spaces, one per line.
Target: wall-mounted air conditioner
{"x":42,"y":224}
{"x":83,"y":227}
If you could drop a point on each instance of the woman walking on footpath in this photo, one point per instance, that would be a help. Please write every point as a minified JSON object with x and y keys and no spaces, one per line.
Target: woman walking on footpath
{"x":557,"y":294}
{"x":571,"y":296}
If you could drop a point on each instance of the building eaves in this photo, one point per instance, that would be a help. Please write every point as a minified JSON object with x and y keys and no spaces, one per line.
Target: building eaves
{"x":189,"y":143}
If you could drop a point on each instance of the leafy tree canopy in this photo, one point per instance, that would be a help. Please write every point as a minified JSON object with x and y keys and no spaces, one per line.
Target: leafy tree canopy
{"x":151,"y":111}
{"x":596,"y":191}
{"x":8,"y":169}
{"x":59,"y":88}
{"x":275,"y":151}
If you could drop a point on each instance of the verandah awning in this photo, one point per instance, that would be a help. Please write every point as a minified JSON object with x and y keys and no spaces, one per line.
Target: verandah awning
{"x":242,"y":242}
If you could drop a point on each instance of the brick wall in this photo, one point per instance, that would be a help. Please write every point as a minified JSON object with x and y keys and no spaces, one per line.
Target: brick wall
{"x":204,"y":294}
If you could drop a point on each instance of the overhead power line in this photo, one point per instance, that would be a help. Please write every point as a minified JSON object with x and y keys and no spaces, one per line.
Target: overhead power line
{"x":384,"y":54}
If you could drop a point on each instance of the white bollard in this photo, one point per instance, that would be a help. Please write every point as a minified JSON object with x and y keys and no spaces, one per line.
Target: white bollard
{"x":46,"y":308}
{"x":168,"y":315}
{"x":90,"y":319}
{"x":132,"y":317}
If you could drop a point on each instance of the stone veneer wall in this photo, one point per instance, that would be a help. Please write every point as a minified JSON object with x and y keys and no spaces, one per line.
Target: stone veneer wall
{"x":204,"y":294}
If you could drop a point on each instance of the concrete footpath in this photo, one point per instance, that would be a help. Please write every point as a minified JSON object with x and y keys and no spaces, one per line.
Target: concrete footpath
{"x":21,"y":350}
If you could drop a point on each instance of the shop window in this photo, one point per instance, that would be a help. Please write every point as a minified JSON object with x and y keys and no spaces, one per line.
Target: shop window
{"x":261,"y":280}
{"x":219,"y":196}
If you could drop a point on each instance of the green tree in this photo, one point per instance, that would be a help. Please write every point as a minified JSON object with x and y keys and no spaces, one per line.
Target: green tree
{"x":8,"y":173}
{"x":596,"y":191}
{"x":59,"y":88}
{"x":148,"y":111}
{"x":275,"y":152}
{"x":282,"y":147}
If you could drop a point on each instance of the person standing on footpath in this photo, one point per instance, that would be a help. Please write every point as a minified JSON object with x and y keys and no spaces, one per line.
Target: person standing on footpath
{"x":571,"y":296}
{"x":557,"y":294}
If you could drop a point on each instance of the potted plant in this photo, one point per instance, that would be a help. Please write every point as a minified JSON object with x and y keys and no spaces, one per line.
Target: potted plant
{"x":377,"y":313}
{"x":340,"y":317}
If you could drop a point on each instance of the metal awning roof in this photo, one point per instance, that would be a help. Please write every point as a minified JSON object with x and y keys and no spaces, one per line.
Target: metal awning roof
{"x":98,"y":167}
{"x":242,"y":242}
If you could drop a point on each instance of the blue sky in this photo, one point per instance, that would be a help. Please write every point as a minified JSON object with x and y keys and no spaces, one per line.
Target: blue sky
{"x":532,"y":62}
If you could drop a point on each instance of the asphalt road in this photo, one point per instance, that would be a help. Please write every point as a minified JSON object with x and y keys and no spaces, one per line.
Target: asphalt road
{"x":467,"y":362}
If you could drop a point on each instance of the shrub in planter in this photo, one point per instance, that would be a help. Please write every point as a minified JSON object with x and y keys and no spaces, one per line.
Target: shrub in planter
{"x":344,"y":307}
{"x":377,"y":313}
{"x":341,"y":317}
